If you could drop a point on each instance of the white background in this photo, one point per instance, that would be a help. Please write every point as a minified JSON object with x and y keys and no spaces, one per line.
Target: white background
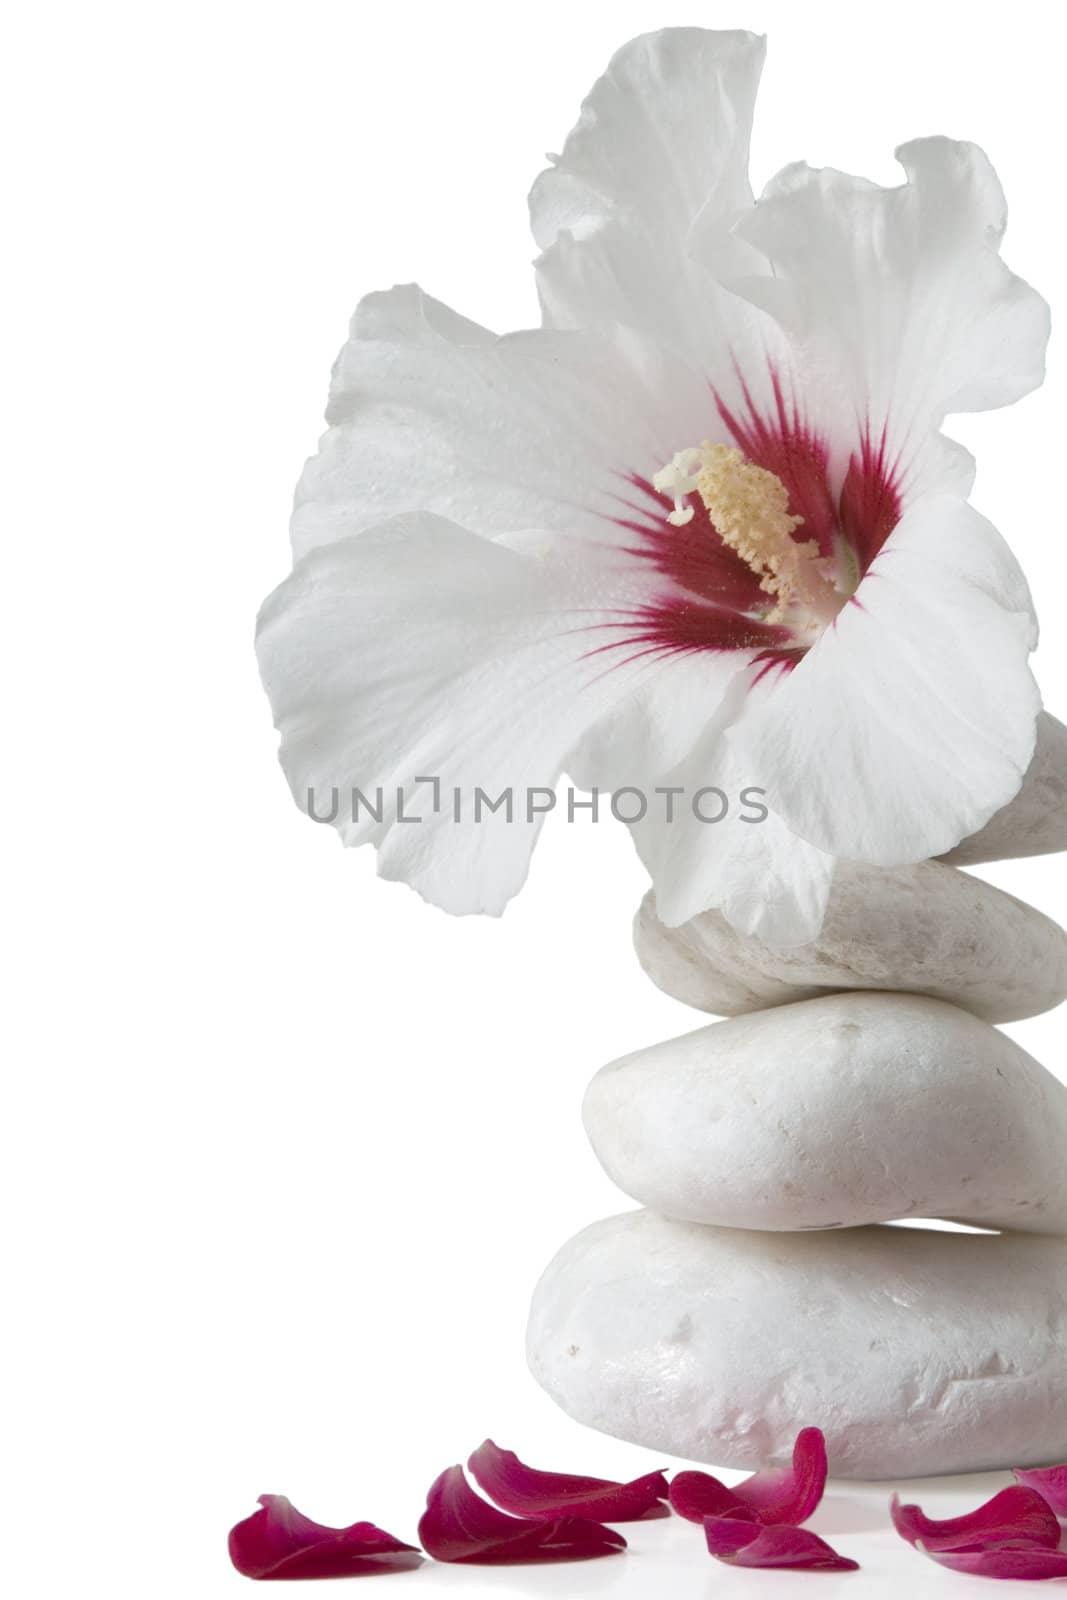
{"x":287,"y":1149}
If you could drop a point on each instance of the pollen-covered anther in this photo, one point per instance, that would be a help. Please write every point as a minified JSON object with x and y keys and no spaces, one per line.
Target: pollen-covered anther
{"x":749,"y":507}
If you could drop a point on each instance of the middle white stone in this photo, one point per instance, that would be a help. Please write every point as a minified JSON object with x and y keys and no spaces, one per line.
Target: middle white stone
{"x":851,"y":1109}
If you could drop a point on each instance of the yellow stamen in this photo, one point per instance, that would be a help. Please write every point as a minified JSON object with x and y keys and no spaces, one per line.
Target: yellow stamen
{"x":750,"y":509}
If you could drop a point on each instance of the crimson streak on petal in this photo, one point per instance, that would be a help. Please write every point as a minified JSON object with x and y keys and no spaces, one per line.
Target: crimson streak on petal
{"x":694,"y":557}
{"x":712,"y":599}
{"x":790,"y":448}
{"x":870,"y":500}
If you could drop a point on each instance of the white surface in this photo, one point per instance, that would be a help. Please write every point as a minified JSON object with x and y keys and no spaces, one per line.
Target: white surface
{"x":285,"y":1149}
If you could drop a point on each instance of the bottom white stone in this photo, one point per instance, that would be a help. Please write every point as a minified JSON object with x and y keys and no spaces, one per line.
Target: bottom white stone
{"x":917,"y":1352}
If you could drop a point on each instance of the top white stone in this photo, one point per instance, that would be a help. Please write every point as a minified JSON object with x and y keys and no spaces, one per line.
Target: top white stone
{"x":927,"y":929}
{"x":1035,"y":822}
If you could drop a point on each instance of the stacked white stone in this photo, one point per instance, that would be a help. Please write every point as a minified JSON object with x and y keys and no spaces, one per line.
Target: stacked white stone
{"x":858,"y":1083}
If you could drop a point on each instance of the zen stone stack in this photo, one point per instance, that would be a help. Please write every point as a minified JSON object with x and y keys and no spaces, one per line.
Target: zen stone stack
{"x":858,"y":1082}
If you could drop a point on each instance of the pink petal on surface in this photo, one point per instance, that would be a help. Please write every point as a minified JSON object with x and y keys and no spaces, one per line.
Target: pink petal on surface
{"x":458,"y":1525}
{"x":1017,"y":1516}
{"x":696,"y":1495}
{"x":278,"y":1542}
{"x":1032,"y":1564}
{"x":743,"y":1542}
{"x":1050,"y":1483}
{"x":781,"y":1495}
{"x":530,"y":1493}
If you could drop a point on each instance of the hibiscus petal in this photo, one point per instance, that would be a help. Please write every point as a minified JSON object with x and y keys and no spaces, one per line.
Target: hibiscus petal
{"x":895,"y":300}
{"x":789,"y":1494}
{"x":1017,"y":1516}
{"x":784,"y":1495}
{"x":662,"y":141}
{"x":764,"y":879}
{"x":649,"y":734}
{"x":278,"y":1542}
{"x":431,"y":412}
{"x":458,"y":1525}
{"x":912,"y":720}
{"x":421,"y":651}
{"x":527,"y":1492}
{"x":672,"y":737}
{"x":696,"y":1495}
{"x":750,"y":1544}
{"x":1032,"y":1564}
{"x":1049,"y":1482}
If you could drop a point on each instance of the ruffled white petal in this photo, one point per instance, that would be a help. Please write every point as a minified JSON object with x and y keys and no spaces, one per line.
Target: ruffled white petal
{"x":431,"y":412}
{"x":663,"y":132}
{"x":912,"y":720}
{"x":662,"y":143}
{"x":652,"y":731}
{"x":895,"y":304}
{"x":421,"y":651}
{"x":748,"y":865}
{"x":671,"y":739}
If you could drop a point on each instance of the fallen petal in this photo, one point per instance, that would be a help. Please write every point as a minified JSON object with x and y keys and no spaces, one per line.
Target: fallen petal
{"x":696,"y":1495}
{"x":1050,"y":1483}
{"x":278,"y":1542}
{"x":458,"y":1525}
{"x":780,"y":1495}
{"x":1033,"y":1564}
{"x":1017,"y":1516}
{"x":530,"y":1493}
{"x":745,"y":1543}
{"x":789,"y":1494}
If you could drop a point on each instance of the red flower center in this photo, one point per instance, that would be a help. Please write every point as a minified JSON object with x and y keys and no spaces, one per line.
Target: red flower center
{"x":719,"y":594}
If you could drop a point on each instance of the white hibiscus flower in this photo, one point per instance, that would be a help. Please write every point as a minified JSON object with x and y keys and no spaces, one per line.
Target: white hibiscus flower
{"x":701,"y":530}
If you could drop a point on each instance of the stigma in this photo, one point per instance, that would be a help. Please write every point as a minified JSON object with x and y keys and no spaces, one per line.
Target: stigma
{"x":749,"y":508}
